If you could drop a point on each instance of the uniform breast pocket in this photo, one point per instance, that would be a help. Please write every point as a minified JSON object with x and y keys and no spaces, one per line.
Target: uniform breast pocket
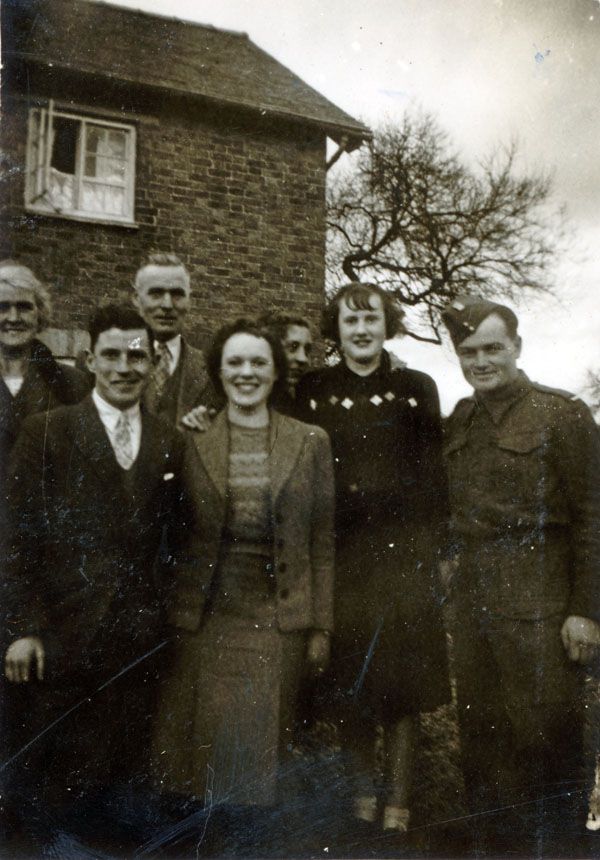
{"x":523,"y":469}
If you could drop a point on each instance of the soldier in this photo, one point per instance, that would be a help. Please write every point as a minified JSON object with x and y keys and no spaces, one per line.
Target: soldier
{"x":523,"y":464}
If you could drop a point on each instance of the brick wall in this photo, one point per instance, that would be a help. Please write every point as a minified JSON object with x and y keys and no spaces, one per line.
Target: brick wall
{"x":240,"y":200}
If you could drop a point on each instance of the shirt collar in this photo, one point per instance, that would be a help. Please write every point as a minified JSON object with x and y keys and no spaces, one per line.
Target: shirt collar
{"x":109,"y":414}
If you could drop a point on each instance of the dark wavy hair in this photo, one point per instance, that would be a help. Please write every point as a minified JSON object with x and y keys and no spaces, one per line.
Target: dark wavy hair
{"x":358,"y":297}
{"x":279,"y":322}
{"x":123,"y":317}
{"x":245,"y":325}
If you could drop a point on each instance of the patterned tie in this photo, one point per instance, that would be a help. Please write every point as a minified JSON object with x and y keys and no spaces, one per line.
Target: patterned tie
{"x":162,"y":368}
{"x":123,"y":443}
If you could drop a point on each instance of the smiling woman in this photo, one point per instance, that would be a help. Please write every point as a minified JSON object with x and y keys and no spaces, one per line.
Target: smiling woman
{"x":388,"y":652}
{"x":254,"y":604}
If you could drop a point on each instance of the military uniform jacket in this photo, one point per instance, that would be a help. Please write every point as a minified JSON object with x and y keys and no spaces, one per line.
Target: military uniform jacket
{"x":525,"y":501}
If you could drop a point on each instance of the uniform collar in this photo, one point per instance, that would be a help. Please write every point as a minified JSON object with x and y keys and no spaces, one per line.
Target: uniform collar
{"x":499,"y":405}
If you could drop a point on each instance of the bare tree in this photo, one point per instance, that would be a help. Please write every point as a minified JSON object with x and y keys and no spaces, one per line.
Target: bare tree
{"x":412,"y":217}
{"x":592,"y":389}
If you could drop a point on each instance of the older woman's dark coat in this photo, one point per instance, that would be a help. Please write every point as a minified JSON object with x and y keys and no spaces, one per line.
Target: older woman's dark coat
{"x":391,"y":516}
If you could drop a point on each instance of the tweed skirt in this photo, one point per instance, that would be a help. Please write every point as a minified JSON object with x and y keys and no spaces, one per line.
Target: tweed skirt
{"x":226,"y":707}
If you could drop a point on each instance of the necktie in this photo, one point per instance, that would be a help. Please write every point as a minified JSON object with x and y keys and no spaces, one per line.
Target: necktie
{"x":123,"y":443}
{"x":162,"y":368}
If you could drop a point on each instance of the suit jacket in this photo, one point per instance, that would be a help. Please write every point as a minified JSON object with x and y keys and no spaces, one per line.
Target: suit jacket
{"x":188,"y":386}
{"x":302,"y":504}
{"x":85,"y":534}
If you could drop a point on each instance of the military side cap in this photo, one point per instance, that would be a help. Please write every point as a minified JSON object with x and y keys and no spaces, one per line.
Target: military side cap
{"x":463,"y":316}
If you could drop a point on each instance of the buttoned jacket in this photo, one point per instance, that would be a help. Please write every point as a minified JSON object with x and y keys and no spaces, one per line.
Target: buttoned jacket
{"x":85,"y":535}
{"x":188,"y":387}
{"x":300,"y":466}
{"x":525,"y":499}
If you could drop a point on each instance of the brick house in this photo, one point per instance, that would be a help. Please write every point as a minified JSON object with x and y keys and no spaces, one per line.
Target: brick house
{"x":126,"y":133}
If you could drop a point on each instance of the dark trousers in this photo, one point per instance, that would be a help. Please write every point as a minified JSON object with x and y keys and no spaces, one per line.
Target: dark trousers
{"x":80,"y":737}
{"x":520,"y":707}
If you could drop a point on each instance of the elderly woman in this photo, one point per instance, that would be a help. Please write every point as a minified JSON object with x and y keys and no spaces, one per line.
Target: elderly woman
{"x":31,"y":381}
{"x":389,"y":650}
{"x":252,"y":602}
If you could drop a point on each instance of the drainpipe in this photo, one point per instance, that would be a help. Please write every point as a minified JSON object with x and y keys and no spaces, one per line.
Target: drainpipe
{"x":338,"y":153}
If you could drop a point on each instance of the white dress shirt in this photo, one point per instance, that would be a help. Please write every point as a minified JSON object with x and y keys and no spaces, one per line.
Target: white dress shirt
{"x":14,"y":383}
{"x":109,"y":415}
{"x":174,"y":348}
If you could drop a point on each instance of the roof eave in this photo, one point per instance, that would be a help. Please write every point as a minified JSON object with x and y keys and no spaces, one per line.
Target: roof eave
{"x":353,"y":135}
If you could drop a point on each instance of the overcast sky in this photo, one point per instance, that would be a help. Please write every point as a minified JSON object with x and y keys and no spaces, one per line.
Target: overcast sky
{"x":490,"y":70}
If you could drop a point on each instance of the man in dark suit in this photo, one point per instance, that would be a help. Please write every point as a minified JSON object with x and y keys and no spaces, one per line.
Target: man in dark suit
{"x":178,"y":388}
{"x":94,"y":491}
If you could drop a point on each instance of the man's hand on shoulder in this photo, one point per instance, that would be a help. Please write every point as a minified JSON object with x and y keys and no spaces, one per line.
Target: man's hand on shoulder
{"x":19,"y":658}
{"x":199,"y":418}
{"x":581,"y":638}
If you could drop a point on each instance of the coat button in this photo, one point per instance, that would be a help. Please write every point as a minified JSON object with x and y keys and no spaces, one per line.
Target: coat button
{"x":284,"y":593}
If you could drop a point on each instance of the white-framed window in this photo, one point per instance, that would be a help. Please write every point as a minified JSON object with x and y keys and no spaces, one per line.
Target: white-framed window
{"x":80,"y":166}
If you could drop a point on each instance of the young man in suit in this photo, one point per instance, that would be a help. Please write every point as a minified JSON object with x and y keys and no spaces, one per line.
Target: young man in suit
{"x":94,"y":491}
{"x":178,"y":388}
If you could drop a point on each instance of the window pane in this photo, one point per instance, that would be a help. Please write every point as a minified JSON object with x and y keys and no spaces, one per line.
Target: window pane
{"x":61,"y":191}
{"x":64,"y":148}
{"x":117,"y":144}
{"x":102,"y":199}
{"x":105,"y":154}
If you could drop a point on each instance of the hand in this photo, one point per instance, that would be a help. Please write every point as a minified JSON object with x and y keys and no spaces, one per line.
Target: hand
{"x":581,"y":638}
{"x":19,"y":656}
{"x":317,"y":652}
{"x":198,"y":418}
{"x":448,"y":570}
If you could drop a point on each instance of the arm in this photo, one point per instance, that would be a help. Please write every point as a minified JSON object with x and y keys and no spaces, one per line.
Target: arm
{"x":192,"y":531}
{"x":322,"y":544}
{"x":434,"y":480}
{"x":29,"y":500}
{"x":29,"y":491}
{"x":578,"y":459}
